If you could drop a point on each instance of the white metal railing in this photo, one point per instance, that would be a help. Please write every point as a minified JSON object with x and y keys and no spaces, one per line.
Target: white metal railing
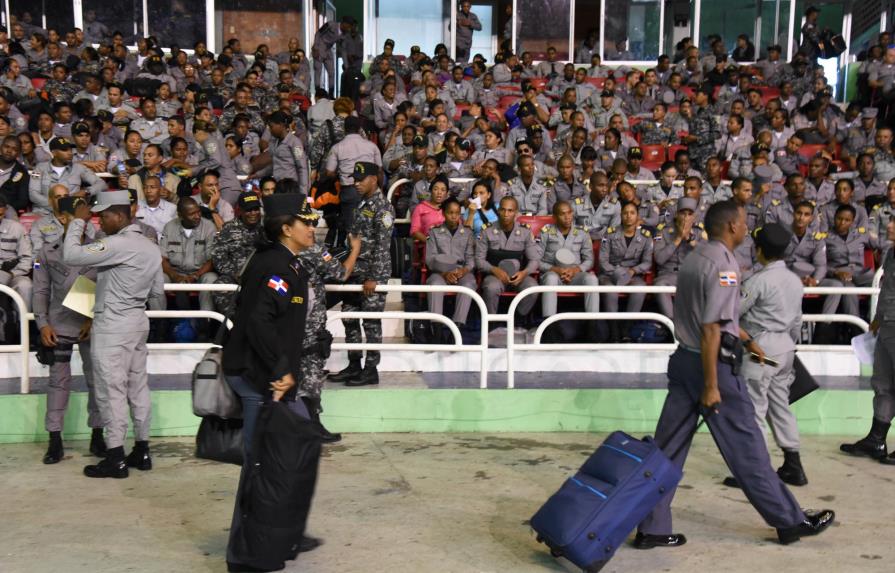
{"x":457,"y":346}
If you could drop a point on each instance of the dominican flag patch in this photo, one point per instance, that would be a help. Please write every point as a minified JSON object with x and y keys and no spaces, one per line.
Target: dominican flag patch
{"x":728,"y":278}
{"x":278,"y":284}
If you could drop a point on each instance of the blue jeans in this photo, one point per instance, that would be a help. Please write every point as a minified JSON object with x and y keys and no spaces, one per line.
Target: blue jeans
{"x":252,"y":401}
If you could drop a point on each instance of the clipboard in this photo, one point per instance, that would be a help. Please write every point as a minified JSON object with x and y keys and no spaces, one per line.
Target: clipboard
{"x":81,"y":296}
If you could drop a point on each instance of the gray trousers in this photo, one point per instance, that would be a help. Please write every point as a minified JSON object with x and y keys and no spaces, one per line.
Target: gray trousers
{"x":769,"y":391}
{"x":435,"y":300}
{"x":549,"y":299}
{"x":831,"y":301}
{"x":328,"y":63}
{"x":59,"y":387}
{"x":610,"y":299}
{"x":736,"y":434}
{"x":492,"y":289}
{"x":22,"y":285}
{"x":849,"y":301}
{"x":664,"y":300}
{"x":883,"y":380}
{"x":122,"y":384}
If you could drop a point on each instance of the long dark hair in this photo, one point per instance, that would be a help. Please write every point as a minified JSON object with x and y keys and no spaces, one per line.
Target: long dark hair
{"x":273,"y":227}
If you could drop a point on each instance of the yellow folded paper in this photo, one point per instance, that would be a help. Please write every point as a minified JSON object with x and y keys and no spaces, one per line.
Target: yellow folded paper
{"x":81,"y":296}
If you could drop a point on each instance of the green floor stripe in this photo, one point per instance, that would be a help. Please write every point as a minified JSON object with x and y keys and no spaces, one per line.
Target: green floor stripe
{"x":826,"y":412}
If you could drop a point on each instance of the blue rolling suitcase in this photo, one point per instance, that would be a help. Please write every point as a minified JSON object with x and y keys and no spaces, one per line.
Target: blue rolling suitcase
{"x":594,"y":511}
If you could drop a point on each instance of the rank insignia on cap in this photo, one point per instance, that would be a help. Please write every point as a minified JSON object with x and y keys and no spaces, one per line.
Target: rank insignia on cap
{"x":728,"y":278}
{"x":278,"y":284}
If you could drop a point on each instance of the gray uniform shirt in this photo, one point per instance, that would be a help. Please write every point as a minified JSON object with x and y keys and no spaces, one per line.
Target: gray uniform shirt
{"x":519,"y":240}
{"x":577,"y":240}
{"x":771,"y":308}
{"x":129,"y":274}
{"x":707,"y":292}
{"x":352,"y":149}
{"x":15,"y":244}
{"x":52,"y":281}
{"x":47,"y":230}
{"x":73,"y":176}
{"x":460,"y":244}
{"x":187,"y":253}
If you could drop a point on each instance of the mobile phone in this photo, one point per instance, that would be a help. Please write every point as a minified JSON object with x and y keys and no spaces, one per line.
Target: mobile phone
{"x":769,"y":361}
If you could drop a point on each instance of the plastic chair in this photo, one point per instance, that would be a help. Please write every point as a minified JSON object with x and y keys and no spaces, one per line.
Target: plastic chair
{"x":536,"y":222}
{"x":653,"y":156}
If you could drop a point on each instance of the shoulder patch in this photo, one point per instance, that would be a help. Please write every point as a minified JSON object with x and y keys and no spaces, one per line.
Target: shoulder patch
{"x":96,"y":246}
{"x":387,"y":220}
{"x":211,"y":147}
{"x":775,"y":202}
{"x":660,"y":226}
{"x":820,"y":236}
{"x":610,"y":230}
{"x":728,"y":278}
{"x":280,"y":286}
{"x":646,"y":233}
{"x":17,"y":177}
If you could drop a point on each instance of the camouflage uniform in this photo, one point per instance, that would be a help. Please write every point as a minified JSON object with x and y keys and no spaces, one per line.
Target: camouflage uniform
{"x":231,"y":249}
{"x":321,"y":267}
{"x":60,"y":91}
{"x":651,"y":133}
{"x":256,"y":122}
{"x":373,"y":222}
{"x":322,"y":141}
{"x":705,"y":127}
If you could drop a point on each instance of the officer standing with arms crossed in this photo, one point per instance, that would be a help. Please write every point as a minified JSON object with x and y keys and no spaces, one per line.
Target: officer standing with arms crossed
{"x":60,"y":328}
{"x":129,"y":275}
{"x":770,"y":325}
{"x":883,"y":380}
{"x":703,"y":375}
{"x":373,"y":222}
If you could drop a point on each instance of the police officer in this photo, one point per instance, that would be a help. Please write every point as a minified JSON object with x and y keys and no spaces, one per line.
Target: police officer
{"x":599,"y":210}
{"x":148,"y":231}
{"x":530,"y":194}
{"x":450,"y":258}
{"x":49,"y":228}
{"x":703,"y":375}
{"x":880,"y":216}
{"x":567,"y":259}
{"x":151,"y":128}
{"x":15,"y":255}
{"x":673,"y":244}
{"x":233,"y":246}
{"x":771,"y":322}
{"x":845,"y":192}
{"x":341,"y":160}
{"x":704,"y":129}
{"x":807,"y":254}
{"x":186,"y":248}
{"x":883,"y":380}
{"x":129,"y":275}
{"x":374,"y":220}
{"x":845,"y":256}
{"x":626,"y":256}
{"x":60,"y":170}
{"x":286,"y":150}
{"x":508,"y":254}
{"x":61,"y":328}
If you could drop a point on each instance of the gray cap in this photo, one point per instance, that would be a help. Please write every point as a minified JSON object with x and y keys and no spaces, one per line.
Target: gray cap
{"x":106,"y":199}
{"x":565,"y":258}
{"x":762,"y":174}
{"x":869,"y":113}
{"x":687,"y":203}
{"x":668,"y":97}
{"x":443,"y":263}
{"x":509,"y":266}
{"x":803,"y":269}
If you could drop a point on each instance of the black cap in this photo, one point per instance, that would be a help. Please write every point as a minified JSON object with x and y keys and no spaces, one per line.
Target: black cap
{"x":525,"y":110}
{"x":758,"y":147}
{"x":280,"y":117}
{"x":295,"y":58}
{"x":607,"y":93}
{"x":67,"y":204}
{"x":364,"y":169}
{"x":295,"y":204}
{"x":567,"y":105}
{"x":773,"y":237}
{"x":353,"y":124}
{"x":534,"y":129}
{"x":80,"y":127}
{"x":635,"y":153}
{"x":248,"y":201}
{"x":420,"y":141}
{"x":463,"y":144}
{"x":60,"y":144}
{"x":104,"y":115}
{"x":415,"y":49}
{"x":193,"y":88}
{"x":390,"y":42}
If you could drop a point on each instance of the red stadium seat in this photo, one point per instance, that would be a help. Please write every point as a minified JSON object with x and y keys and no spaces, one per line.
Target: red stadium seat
{"x":38,"y":83}
{"x":632,"y":121}
{"x":507,"y":100}
{"x":725,"y":167}
{"x":808,"y":151}
{"x":596,"y":82}
{"x":768,"y":93}
{"x":536,"y":222}
{"x":539,"y":83}
{"x":653,"y":156}
{"x":674,"y":149}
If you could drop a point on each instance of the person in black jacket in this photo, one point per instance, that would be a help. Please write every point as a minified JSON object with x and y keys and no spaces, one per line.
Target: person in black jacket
{"x":262,"y":357}
{"x":14,"y":177}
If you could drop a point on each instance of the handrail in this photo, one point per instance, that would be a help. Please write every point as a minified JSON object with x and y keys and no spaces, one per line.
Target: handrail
{"x":24,"y":341}
{"x":846,"y":318}
{"x":654,"y":316}
{"x":481,"y":348}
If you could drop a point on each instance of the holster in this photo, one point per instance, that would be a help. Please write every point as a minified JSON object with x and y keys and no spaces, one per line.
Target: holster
{"x":731,"y":351}
{"x":323,"y":346}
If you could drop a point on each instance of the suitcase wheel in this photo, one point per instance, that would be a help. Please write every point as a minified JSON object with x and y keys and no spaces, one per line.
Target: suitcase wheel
{"x":539,"y":539}
{"x":555,"y":552}
{"x":595,"y":567}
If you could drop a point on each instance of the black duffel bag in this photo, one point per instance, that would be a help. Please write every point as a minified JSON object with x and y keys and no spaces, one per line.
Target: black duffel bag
{"x":220,"y":440}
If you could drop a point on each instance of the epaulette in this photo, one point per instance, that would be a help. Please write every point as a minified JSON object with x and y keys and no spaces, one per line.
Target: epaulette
{"x":485,"y":225}
{"x":646,"y":233}
{"x":705,"y":236}
{"x":613,"y":199}
{"x":511,"y":181}
{"x":820,"y":236}
{"x":660,"y":226}
{"x":775,"y":202}
{"x":526,"y":225}
{"x":813,"y":202}
{"x":580,"y":201}
{"x":877,"y":206}
{"x":610,"y":230}
{"x":862,"y":230}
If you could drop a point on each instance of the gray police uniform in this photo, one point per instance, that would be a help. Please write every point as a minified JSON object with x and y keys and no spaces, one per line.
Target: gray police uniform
{"x":579,"y":243}
{"x":807,"y":256}
{"x":669,"y":259}
{"x":129,"y":274}
{"x":290,"y":160}
{"x":771,"y":313}
{"x":72,"y":176}
{"x":597,"y":218}
{"x":494,"y":245}
{"x":620,"y":255}
{"x":52,"y":281}
{"x":883,"y":380}
{"x":16,"y":253}
{"x":187,"y":253}
{"x":708,"y":293}
{"x":343,"y":156}
{"x":47,"y":230}
{"x":828,"y":216}
{"x":847,"y":254}
{"x":374,"y":220}
{"x":532,"y":199}
{"x":447,"y":251}
{"x":879,"y":220}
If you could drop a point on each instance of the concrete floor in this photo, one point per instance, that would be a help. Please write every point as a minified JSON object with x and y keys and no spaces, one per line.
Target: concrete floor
{"x":420,"y":502}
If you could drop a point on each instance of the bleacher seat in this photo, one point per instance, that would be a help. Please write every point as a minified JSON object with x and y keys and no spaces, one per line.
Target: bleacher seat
{"x":506,"y":101}
{"x":596,"y":82}
{"x":536,"y":222}
{"x":38,"y":83}
{"x":653,"y":156}
{"x":808,"y":151}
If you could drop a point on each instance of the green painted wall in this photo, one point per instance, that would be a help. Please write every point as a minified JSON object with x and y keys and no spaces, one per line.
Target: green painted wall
{"x":826,"y":412}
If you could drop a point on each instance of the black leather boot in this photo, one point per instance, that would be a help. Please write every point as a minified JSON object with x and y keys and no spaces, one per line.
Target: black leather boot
{"x":791,"y":471}
{"x":97,"y":443}
{"x":314,"y":410}
{"x":351,"y":372}
{"x":814,"y":524}
{"x":112,"y":466}
{"x":369,"y":376}
{"x":873,"y":446}
{"x":55,"y":452}
{"x":139,"y":457}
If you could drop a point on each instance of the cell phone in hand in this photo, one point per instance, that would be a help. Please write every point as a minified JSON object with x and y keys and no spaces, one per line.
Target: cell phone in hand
{"x":769,"y":361}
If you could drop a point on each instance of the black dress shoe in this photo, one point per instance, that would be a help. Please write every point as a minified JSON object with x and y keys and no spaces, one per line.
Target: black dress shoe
{"x":309,"y":543}
{"x":888,"y":460}
{"x":814,"y":524}
{"x":112,"y":466}
{"x":139,"y":457}
{"x":97,"y":443}
{"x":239,"y":567}
{"x":369,"y":376}
{"x":647,"y":541}
{"x":731,"y":481}
{"x":873,"y":445}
